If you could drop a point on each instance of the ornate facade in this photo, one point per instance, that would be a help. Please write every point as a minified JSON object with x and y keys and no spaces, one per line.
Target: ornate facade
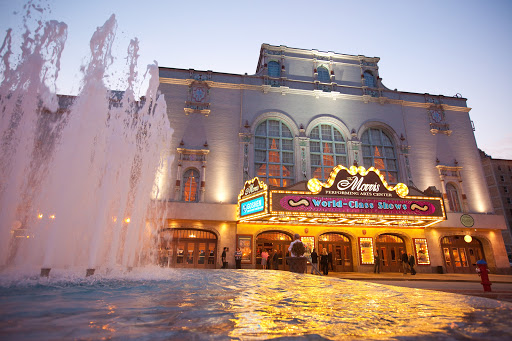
{"x":301,"y":114}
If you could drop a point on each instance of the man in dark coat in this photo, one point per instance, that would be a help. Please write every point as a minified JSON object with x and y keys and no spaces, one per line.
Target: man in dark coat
{"x":224,"y":258}
{"x":275,"y":260}
{"x":314,"y":260}
{"x":405,"y":262}
{"x":412,"y":261}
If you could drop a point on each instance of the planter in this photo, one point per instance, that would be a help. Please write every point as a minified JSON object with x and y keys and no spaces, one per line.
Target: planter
{"x":297,"y":264}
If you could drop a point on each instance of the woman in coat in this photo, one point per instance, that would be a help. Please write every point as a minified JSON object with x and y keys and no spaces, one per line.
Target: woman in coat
{"x":324,"y":261}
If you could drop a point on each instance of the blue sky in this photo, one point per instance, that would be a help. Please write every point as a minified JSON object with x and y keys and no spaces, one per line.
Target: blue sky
{"x":437,"y":47}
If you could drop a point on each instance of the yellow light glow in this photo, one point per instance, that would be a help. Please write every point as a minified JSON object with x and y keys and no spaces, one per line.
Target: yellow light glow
{"x":127,"y":220}
{"x":52,"y":216}
{"x":40,"y":216}
{"x":468,"y":238}
{"x":315,"y":185}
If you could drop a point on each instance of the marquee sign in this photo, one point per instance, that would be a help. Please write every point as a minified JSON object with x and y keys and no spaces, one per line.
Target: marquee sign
{"x":354,"y":196}
{"x":252,"y":200}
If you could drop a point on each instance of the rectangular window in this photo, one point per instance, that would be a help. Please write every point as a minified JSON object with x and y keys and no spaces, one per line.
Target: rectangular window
{"x":244,"y":242}
{"x":315,"y":159}
{"x":505,"y":189}
{"x":340,"y":148}
{"x":287,"y":144}
{"x":260,"y":143}
{"x":421,"y":250}
{"x":314,"y":147}
{"x":366,"y":250}
{"x":502,"y":178}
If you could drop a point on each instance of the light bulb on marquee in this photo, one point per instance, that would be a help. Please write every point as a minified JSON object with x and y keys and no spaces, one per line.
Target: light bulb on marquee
{"x":468,"y":238}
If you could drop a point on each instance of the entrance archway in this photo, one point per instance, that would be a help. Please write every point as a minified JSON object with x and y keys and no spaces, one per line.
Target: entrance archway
{"x":341,"y":248}
{"x":273,"y":241}
{"x":390,"y":248}
{"x":187,"y":248}
{"x":461,"y":256}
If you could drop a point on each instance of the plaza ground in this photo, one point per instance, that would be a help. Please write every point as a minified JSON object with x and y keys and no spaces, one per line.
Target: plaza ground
{"x":466,"y":284}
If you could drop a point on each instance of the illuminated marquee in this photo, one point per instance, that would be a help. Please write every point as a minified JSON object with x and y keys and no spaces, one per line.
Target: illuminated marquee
{"x":252,"y":200}
{"x":354,"y":196}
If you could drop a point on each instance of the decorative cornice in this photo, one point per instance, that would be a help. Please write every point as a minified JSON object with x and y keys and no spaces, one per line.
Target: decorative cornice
{"x":332,"y":95}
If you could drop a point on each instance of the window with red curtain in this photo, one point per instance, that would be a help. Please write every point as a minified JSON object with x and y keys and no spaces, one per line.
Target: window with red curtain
{"x":190,"y":185}
{"x":274,"y":153}
{"x":379,"y":152}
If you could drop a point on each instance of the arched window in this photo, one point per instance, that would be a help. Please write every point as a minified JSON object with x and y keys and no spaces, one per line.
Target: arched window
{"x":327,"y":150}
{"x":273,"y":69}
{"x":369,"y":79}
{"x":323,"y":75}
{"x":379,"y":152}
{"x":190,"y":186}
{"x":273,"y":153}
{"x":453,"y":198}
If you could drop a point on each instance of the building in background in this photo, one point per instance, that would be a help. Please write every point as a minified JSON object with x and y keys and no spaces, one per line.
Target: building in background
{"x":498,"y":174}
{"x":245,"y":145}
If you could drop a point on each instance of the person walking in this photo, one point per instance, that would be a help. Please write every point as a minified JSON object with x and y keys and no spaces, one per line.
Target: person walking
{"x":238,"y":258}
{"x":264,"y":258}
{"x":314,"y":261}
{"x":324,"y":262}
{"x":376,"y":268}
{"x":224,"y":258}
{"x":412,"y":262}
{"x":405,"y":262}
{"x":275,"y":260}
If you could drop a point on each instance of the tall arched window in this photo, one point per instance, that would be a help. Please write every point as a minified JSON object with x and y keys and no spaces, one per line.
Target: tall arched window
{"x":379,"y":152}
{"x":327,"y":149}
{"x":190,"y":186}
{"x":369,"y":79}
{"x":273,"y":69}
{"x":453,"y":198}
{"x":323,"y":75}
{"x":273,"y":153}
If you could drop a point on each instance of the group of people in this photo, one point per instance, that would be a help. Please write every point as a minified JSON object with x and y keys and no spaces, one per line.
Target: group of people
{"x":325,"y":261}
{"x":269,"y":260}
{"x":407,"y":261}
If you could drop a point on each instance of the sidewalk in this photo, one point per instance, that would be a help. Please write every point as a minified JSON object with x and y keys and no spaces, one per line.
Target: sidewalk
{"x":397,"y":276}
{"x":465,"y":284}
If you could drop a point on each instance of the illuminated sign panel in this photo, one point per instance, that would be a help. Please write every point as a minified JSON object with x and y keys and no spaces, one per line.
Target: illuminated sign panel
{"x":309,"y":203}
{"x":252,"y":206}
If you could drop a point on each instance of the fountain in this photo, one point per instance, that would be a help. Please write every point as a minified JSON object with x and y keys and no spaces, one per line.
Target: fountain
{"x":77,"y":178}
{"x":77,"y":172}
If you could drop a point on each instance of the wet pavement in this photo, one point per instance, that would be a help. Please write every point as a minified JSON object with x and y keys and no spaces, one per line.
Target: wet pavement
{"x":466,"y":284}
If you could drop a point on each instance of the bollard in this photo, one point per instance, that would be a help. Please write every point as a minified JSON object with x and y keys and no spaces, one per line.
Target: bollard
{"x":45,"y":272}
{"x":483,"y":272}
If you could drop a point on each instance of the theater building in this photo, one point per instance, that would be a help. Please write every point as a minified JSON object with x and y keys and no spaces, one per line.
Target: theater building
{"x":313,"y":143}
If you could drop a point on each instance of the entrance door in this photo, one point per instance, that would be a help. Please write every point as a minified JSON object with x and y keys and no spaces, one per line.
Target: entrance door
{"x":390,"y":249}
{"x":271,"y":242}
{"x":188,"y":249}
{"x":341,"y":249}
{"x":460,"y":256}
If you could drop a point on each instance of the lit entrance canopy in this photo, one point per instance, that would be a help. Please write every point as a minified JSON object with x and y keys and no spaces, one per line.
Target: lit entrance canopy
{"x":350,"y":197}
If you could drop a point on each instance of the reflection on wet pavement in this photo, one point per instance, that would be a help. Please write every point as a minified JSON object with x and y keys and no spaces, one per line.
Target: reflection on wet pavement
{"x":244,"y":304}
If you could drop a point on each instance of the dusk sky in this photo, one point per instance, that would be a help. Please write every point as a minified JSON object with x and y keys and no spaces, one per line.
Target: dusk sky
{"x":437,"y":47}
